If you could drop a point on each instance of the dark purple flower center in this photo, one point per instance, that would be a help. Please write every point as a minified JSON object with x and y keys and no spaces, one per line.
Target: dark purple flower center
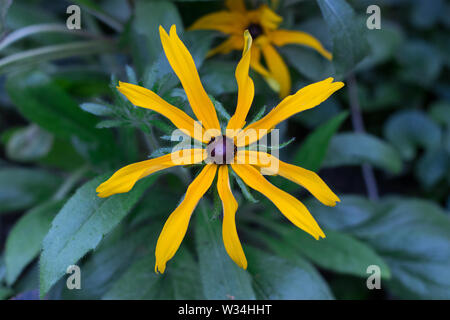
{"x":255,"y":30}
{"x":221,"y":150}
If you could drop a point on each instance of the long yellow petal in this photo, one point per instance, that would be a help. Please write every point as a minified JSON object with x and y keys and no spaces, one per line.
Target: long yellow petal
{"x":234,"y":42}
{"x":124,"y":179}
{"x":306,"y":178}
{"x":145,"y":98}
{"x":278,"y":69}
{"x":246,"y":88}
{"x":229,"y":232}
{"x":282,"y":37}
{"x":255,"y":63}
{"x":235,"y":5}
{"x":268,"y":18}
{"x":176,"y":225}
{"x":306,"y":98}
{"x":224,"y":21}
{"x":183,"y":65}
{"x":290,"y":207}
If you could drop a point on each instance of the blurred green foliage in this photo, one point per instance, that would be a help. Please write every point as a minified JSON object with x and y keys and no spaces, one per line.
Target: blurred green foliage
{"x":64,"y":128}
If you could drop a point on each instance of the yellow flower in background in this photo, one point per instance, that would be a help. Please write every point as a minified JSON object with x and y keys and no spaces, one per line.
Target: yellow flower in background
{"x":222,"y":152}
{"x":262,"y":24}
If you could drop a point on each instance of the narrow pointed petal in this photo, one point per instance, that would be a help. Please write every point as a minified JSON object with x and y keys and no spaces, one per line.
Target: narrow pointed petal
{"x":268,"y":18}
{"x":229,"y":232}
{"x":233,"y":42}
{"x":278,"y":69}
{"x":289,"y":206}
{"x":255,"y":63}
{"x":305,"y":98}
{"x":183,"y":65}
{"x":124,"y":179}
{"x":306,"y":178}
{"x":235,"y":5}
{"x":176,"y":225}
{"x":224,"y":21}
{"x":282,"y":37}
{"x":145,"y":98}
{"x":246,"y":88}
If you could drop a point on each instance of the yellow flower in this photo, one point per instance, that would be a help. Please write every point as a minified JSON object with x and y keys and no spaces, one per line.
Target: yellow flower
{"x":222,"y":151}
{"x":262,"y":24}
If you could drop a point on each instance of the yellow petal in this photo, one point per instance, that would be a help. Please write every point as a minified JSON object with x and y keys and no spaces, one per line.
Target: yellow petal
{"x":306,"y":98}
{"x":223,"y":21}
{"x":268,"y":18}
{"x":246,"y":88}
{"x":229,"y":232}
{"x":278,"y":69}
{"x":145,"y":98}
{"x":283,"y":37}
{"x":235,"y":5}
{"x":255,"y":63}
{"x":233,"y":42}
{"x":124,"y":179}
{"x":183,"y":65}
{"x":176,"y":225}
{"x":290,"y":207}
{"x":306,"y":178}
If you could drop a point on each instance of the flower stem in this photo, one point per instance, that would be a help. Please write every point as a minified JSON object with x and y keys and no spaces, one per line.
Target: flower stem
{"x":358,"y":126}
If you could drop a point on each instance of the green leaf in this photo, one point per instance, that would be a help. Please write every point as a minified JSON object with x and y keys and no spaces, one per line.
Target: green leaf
{"x":348,"y":35}
{"x":432,"y":167}
{"x":413,"y":237}
{"x":96,"y":109}
{"x":313,"y":150}
{"x":5,"y":292}
{"x":141,"y":282}
{"x":337,"y":252}
{"x":149,"y":15}
{"x":407,"y":130}
{"x":22,"y":188}
{"x":80,"y":226}
{"x":24,"y":241}
{"x":218,"y":77}
{"x":440,"y":112}
{"x":359,"y":148}
{"x":46,"y":104}
{"x":221,"y":278}
{"x":29,"y":144}
{"x":278,"y":278}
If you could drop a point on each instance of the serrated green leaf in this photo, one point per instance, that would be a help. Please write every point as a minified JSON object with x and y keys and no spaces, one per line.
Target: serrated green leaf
{"x":221,"y":278}
{"x":347,"y":32}
{"x":24,"y":241}
{"x":277,"y":278}
{"x":80,"y":226}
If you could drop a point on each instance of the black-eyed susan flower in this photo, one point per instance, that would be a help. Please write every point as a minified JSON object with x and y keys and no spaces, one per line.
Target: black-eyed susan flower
{"x":262,"y":23}
{"x":218,"y":152}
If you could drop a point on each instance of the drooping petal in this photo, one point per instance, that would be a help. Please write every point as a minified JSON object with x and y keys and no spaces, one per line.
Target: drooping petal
{"x":306,"y":178}
{"x":278,"y":69}
{"x":306,"y":98}
{"x":229,"y":232}
{"x":124,"y":179}
{"x":235,"y":5}
{"x":246,"y":88}
{"x":183,"y":65}
{"x":282,"y":37}
{"x":289,"y":206}
{"x":224,"y":21}
{"x":255,"y":63}
{"x":176,"y":225}
{"x":234,"y":42}
{"x":145,"y":98}
{"x":268,"y":18}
